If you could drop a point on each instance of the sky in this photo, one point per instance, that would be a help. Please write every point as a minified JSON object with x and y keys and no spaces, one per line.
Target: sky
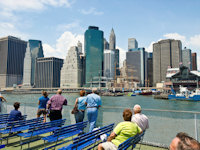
{"x":60,"y":24}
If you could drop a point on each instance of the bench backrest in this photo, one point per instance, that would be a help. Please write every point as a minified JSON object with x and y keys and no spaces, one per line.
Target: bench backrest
{"x":131,"y":141}
{"x":6,"y":119}
{"x":70,"y":128}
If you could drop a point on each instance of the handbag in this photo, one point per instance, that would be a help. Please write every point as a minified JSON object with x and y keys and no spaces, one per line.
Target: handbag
{"x":75,"y":110}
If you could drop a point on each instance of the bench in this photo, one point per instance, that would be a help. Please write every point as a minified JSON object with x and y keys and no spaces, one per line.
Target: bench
{"x":6,"y":119}
{"x":65,"y":132}
{"x":38,"y":129}
{"x":88,"y":139}
{"x":18,"y":126}
{"x":2,"y":146}
{"x":132,"y":141}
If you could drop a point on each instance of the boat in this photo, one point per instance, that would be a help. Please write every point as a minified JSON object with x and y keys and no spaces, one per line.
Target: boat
{"x":131,"y":94}
{"x":146,"y":92}
{"x":185,"y":94}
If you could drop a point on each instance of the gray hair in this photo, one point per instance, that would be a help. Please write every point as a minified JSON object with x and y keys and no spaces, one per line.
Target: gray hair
{"x":137,"y":108}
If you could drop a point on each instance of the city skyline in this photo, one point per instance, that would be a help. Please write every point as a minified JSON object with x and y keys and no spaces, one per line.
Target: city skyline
{"x":60,"y":24}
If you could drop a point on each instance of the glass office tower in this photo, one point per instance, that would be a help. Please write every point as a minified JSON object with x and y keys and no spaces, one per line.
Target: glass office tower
{"x":94,"y":45}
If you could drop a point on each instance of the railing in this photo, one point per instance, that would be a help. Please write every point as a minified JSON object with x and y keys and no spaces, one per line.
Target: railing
{"x":164,"y":124}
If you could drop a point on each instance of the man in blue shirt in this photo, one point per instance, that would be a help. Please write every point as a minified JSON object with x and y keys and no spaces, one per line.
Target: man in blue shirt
{"x":15,"y":114}
{"x":93,"y":102}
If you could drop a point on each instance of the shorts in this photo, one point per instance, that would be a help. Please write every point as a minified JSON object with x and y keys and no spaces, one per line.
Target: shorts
{"x":109,"y":146}
{"x":41,"y":111}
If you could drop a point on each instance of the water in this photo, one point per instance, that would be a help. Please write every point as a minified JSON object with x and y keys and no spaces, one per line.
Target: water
{"x":163,"y":125}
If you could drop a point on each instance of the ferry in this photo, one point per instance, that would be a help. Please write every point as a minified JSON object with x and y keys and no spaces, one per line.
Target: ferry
{"x":185,"y":94}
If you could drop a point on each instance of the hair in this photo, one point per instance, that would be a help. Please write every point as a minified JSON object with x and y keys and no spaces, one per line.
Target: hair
{"x":59,"y":91}
{"x":137,"y":108}
{"x":94,"y":90}
{"x":16,"y":105}
{"x":44,"y":93}
{"x":127,"y":114}
{"x":82,"y":93}
{"x":186,"y":142}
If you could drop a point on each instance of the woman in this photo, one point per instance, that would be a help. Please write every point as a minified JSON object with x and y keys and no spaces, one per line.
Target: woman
{"x":42,"y":105}
{"x":80,"y":104}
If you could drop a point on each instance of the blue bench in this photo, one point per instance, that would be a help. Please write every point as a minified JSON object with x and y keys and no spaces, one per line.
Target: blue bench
{"x":65,"y":132}
{"x":132,"y":141}
{"x":39,"y":129}
{"x":7,"y":119}
{"x":88,"y":139}
{"x":2,"y":146}
{"x":17,"y":126}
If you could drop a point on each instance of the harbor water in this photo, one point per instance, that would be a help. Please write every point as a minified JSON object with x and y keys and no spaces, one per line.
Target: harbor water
{"x":166,"y":117}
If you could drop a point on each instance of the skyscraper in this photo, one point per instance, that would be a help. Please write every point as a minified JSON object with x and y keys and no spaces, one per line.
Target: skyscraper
{"x":79,"y":45}
{"x":71,"y":71}
{"x":109,"y":63}
{"x":187,"y":58}
{"x":36,"y":52}
{"x":27,"y":68}
{"x":166,"y":53}
{"x":112,"y":42}
{"x":136,"y":65}
{"x":48,"y":72}
{"x":150,"y":70}
{"x":194,"y":61}
{"x":132,"y":43}
{"x":12,"y":52}
{"x":94,"y":53}
{"x":106,"y":44}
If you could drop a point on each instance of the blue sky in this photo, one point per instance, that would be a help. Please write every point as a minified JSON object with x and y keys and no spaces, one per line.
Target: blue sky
{"x":61,"y":23}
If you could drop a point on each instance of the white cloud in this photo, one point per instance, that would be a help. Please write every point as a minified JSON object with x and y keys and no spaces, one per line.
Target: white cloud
{"x":195,"y":41}
{"x":175,"y":36}
{"x":63,"y":44}
{"x":122,"y":55}
{"x":92,"y":11}
{"x":150,"y":47}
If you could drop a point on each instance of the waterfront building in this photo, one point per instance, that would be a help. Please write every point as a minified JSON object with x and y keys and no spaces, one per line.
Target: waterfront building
{"x":136,"y":62}
{"x":27,"y":68}
{"x":94,"y":47}
{"x":106,"y":44}
{"x":109,"y":63}
{"x":71,"y":71}
{"x":12,"y":53}
{"x":132,"y":44}
{"x":112,"y":40}
{"x":166,"y":54}
{"x":79,"y":45}
{"x":194,"y":61}
{"x":187,"y":58}
{"x":48,"y":72}
{"x":149,"y":81}
{"x":82,"y":58}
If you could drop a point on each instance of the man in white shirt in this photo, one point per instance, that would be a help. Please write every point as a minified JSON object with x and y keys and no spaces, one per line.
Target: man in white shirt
{"x":140,"y":119}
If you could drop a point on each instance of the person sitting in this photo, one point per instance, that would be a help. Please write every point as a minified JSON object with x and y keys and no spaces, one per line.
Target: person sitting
{"x":15,"y":114}
{"x":183,"y":141}
{"x":42,"y":103}
{"x":140,"y":119}
{"x":80,"y":104}
{"x":121,"y":132}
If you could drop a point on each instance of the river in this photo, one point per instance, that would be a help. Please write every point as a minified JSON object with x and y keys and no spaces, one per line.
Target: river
{"x":163,"y":124}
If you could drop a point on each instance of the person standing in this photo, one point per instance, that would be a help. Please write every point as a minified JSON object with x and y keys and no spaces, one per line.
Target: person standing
{"x":2,"y":99}
{"x":15,"y":114}
{"x":140,"y":119}
{"x":93,"y":102}
{"x":80,"y":104}
{"x":42,"y":103}
{"x":55,"y":104}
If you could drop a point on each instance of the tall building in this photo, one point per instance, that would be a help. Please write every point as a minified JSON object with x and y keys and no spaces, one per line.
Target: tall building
{"x":79,"y":45}
{"x":106,"y":44}
{"x":112,"y":42}
{"x":117,"y":72}
{"x":48,"y":72}
{"x":187,"y":58}
{"x":71,"y":71}
{"x":136,"y":62}
{"x":194,"y":61}
{"x":149,"y":70}
{"x":109,"y":63}
{"x":27,"y":68}
{"x":12,"y":52}
{"x":36,"y":52}
{"x":94,"y":53}
{"x":132,"y":43}
{"x":166,"y":54}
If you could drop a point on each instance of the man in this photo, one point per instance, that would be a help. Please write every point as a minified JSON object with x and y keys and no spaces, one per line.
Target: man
{"x":182,"y":141}
{"x":2,"y":99}
{"x":55,"y":104}
{"x":93,"y":102}
{"x":140,"y":119}
{"x":121,"y":133}
{"x":15,"y":114}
